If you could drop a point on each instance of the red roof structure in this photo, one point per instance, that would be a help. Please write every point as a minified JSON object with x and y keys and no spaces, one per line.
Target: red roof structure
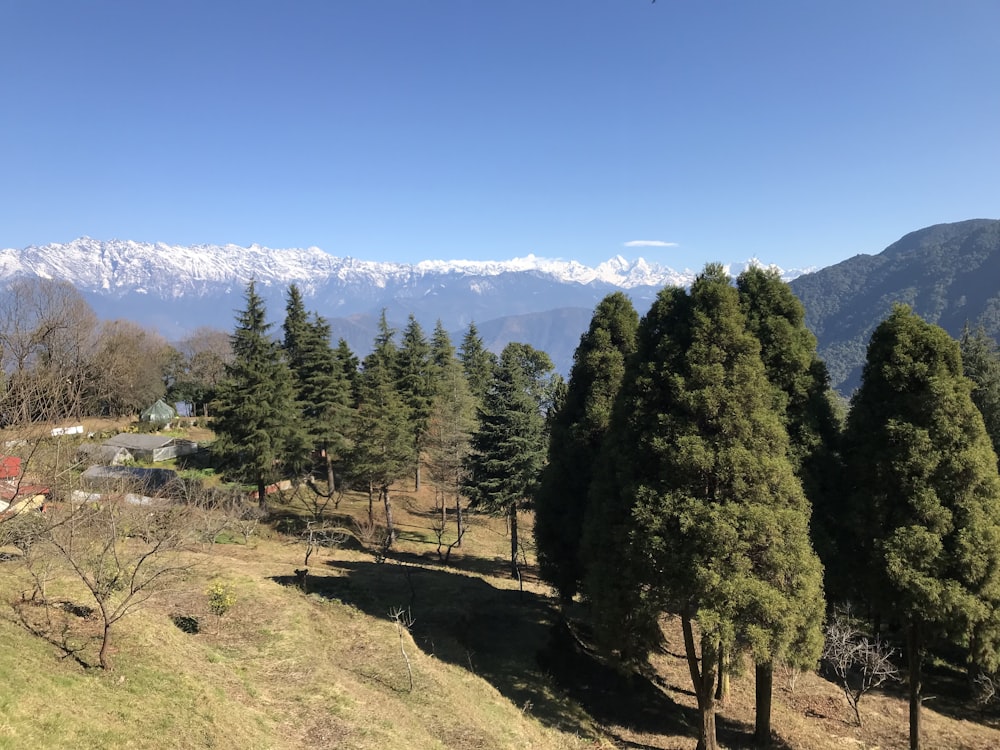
{"x":10,"y":467}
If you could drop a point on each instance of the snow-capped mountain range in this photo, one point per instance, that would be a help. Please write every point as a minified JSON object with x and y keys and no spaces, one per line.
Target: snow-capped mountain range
{"x":177,"y":288}
{"x":175,"y":270}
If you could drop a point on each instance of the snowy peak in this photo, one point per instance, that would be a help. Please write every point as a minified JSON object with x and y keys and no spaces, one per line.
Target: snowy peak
{"x":121,"y":266}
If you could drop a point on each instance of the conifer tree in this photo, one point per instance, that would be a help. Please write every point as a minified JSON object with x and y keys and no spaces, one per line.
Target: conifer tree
{"x":478,"y":363}
{"x":415,"y":382}
{"x":448,"y":440}
{"x":702,"y":509}
{"x":321,"y":388}
{"x":576,"y":433}
{"x":776,"y":318}
{"x":926,"y":496}
{"x":381,"y":448}
{"x":350,"y":365}
{"x":259,"y":434}
{"x":294,"y":327}
{"x":442,"y":350}
{"x":508,"y":447}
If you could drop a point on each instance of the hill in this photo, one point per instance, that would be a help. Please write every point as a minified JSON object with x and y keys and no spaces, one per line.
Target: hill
{"x":948,"y":273}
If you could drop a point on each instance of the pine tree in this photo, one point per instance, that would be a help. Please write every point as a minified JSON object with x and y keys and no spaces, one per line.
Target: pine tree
{"x":478,"y":363}
{"x":381,"y":448}
{"x":776,"y":318}
{"x":415,"y":382}
{"x":448,"y":439}
{"x":926,"y":496}
{"x":322,"y":391}
{"x":702,"y":511}
{"x":259,"y":435}
{"x":508,"y":447}
{"x":442,"y":350}
{"x":350,"y":365}
{"x":577,"y":431}
{"x":294,"y":327}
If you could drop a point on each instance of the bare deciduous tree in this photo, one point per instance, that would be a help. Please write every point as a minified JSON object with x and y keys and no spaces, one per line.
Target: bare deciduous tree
{"x":47,"y":333}
{"x":127,"y":370}
{"x":204,"y":356}
{"x":861,"y":664}
{"x":122,"y":553}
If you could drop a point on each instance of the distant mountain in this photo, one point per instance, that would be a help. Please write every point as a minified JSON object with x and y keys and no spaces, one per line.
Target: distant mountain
{"x":948,"y":273}
{"x":546,"y":303}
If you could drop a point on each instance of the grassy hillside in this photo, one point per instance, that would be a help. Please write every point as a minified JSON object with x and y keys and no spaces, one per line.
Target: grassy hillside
{"x":490,"y":666}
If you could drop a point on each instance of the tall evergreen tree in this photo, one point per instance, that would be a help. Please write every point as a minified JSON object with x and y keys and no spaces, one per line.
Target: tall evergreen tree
{"x":708,"y":518}
{"x":776,"y":318}
{"x":294,"y":327}
{"x":415,"y":381}
{"x":478,"y":363}
{"x":381,"y":447}
{"x":981,"y":363}
{"x":508,"y":447}
{"x":926,"y":496}
{"x":576,"y":433}
{"x":321,"y":388}
{"x":449,"y":437}
{"x":442,"y":350}
{"x":259,"y":435}
{"x":350,"y":365}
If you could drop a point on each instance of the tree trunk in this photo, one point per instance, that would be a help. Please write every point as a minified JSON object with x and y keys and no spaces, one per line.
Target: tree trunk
{"x":703,"y":678}
{"x":416,"y":469}
{"x":915,"y":657}
{"x":515,"y":572}
{"x":390,"y":530}
{"x":722,"y":683}
{"x":458,"y":519}
{"x":261,"y":493}
{"x":330,"y":487}
{"x":371,"y":499}
{"x":102,"y":657}
{"x":765,"y":687}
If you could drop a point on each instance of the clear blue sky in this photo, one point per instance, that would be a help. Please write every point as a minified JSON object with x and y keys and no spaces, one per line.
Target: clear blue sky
{"x":798,"y":132}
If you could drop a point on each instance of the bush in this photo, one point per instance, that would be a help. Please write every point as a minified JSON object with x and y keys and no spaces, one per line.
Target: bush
{"x":221,"y":598}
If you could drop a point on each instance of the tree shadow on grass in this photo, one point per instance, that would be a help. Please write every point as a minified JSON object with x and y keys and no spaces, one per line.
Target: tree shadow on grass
{"x":513,"y":639}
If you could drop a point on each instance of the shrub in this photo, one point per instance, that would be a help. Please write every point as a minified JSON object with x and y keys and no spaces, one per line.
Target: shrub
{"x":221,"y":598}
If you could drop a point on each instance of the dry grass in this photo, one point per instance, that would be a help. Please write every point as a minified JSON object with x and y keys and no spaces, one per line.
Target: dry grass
{"x":288,"y":669}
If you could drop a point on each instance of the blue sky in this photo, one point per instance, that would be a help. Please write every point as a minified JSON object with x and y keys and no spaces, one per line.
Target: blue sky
{"x":798,"y":132}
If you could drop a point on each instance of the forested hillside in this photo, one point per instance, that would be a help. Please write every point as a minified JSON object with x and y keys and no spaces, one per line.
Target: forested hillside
{"x":949,"y":274}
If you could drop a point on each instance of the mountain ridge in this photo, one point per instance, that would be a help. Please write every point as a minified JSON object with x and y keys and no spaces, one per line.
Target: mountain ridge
{"x":948,"y":273}
{"x":175,"y":288}
{"x":122,"y":264}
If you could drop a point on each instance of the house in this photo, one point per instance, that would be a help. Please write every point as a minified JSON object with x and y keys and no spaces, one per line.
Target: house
{"x":16,"y":494}
{"x":152,"y":447}
{"x":10,"y":467}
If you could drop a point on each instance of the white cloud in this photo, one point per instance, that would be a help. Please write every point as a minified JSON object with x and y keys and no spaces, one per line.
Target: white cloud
{"x":650,"y":243}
